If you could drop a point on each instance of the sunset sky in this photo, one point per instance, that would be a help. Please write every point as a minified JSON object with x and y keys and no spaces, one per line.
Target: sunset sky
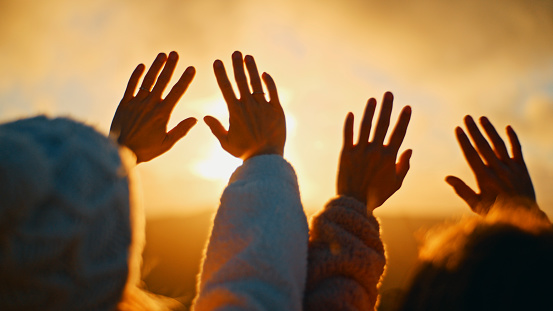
{"x":444,"y":58}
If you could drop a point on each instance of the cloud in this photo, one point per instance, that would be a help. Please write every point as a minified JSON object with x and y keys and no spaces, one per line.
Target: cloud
{"x":444,"y":58}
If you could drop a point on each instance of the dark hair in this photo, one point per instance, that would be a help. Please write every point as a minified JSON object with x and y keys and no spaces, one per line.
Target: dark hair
{"x":487,"y":264}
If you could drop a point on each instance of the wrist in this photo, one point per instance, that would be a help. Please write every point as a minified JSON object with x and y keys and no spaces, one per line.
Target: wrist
{"x":352,"y":194}
{"x":263,"y":151}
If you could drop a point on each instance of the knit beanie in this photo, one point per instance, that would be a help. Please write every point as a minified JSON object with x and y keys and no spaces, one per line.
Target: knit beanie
{"x":64,"y":217}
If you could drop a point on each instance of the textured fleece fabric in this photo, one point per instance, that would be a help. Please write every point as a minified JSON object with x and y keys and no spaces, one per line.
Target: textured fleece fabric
{"x":346,"y":258}
{"x":256,"y":258}
{"x":64,"y":217}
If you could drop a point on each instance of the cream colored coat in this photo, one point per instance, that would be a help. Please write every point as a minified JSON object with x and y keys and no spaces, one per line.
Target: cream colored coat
{"x":256,"y":258}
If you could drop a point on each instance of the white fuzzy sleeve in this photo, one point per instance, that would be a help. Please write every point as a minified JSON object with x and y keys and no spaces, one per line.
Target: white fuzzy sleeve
{"x":256,"y":258}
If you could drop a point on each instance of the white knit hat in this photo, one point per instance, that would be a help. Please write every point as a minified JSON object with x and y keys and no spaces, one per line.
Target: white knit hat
{"x":64,"y":217}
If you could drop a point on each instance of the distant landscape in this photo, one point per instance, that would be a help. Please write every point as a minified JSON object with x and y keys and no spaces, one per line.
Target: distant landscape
{"x":174,"y":249}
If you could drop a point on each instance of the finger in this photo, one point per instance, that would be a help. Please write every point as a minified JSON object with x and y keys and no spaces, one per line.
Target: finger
{"x":498,"y":144}
{"x":240,"y":74}
{"x":463,"y":191}
{"x":516,"y":147}
{"x":398,"y":134}
{"x":472,"y":157}
{"x":367,"y":121}
{"x":178,"y":132}
{"x":224,"y":84}
{"x":179,"y":88}
{"x":383,"y":119}
{"x":133,"y":82}
{"x":348,"y":131}
{"x":255,"y":80}
{"x":217,"y":129}
{"x":166,"y":74}
{"x":403,"y":165}
{"x":151,"y":75}
{"x":271,"y":87}
{"x":481,"y":143}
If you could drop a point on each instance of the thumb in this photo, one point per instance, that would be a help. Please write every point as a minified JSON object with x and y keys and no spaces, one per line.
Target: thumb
{"x":216,"y":128}
{"x":463,"y":191}
{"x":179,"y":131}
{"x":403,"y":164}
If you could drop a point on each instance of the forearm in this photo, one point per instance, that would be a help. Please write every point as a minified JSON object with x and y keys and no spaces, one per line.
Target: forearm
{"x":346,"y":258}
{"x":257,"y":253}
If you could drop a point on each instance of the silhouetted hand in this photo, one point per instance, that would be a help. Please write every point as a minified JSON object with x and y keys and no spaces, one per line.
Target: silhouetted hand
{"x":498,"y":175}
{"x":256,"y":126}
{"x":140,"y":122}
{"x":368,"y":171}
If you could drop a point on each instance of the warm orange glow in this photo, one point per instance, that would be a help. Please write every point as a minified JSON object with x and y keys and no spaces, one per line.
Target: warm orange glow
{"x":218,"y":165}
{"x":445,"y":60}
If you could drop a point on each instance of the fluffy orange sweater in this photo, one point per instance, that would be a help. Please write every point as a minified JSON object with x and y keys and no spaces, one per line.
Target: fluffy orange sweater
{"x":346,"y":258}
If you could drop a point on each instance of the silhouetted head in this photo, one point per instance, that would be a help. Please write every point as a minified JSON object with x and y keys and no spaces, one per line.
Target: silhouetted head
{"x":501,"y":262}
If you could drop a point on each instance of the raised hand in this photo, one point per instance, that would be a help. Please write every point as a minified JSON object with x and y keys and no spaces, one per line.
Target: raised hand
{"x":256,"y":126}
{"x":498,"y":175}
{"x":140,"y":121}
{"x":368,"y":170}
